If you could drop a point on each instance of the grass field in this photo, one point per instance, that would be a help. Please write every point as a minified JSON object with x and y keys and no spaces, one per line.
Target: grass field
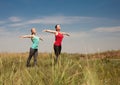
{"x":72,"y":69}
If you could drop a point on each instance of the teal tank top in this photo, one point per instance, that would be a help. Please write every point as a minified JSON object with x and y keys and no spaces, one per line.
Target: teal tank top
{"x":35,"y":42}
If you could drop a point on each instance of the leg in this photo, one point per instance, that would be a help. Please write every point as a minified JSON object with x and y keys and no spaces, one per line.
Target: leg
{"x":35,"y":56}
{"x":60,"y":48}
{"x":31,"y":53}
{"x":57,"y":52}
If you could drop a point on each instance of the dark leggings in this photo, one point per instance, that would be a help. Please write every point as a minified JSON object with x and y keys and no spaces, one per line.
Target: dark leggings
{"x":57,"y":50}
{"x":33,"y":52}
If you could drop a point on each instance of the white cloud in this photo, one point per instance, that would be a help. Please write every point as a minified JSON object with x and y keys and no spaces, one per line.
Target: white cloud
{"x":14,"y":19}
{"x":45,"y":20}
{"x":107,"y":29}
{"x":3,"y":31}
{"x":62,"y":20}
{"x":54,"y":20}
{"x":17,"y":24}
{"x":1,"y":28}
{"x":79,"y":34}
{"x":2,"y":22}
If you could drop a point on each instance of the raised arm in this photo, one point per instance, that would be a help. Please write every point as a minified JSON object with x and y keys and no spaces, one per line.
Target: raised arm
{"x":41,"y":38}
{"x":50,"y":31}
{"x":64,"y":33}
{"x":26,"y":36}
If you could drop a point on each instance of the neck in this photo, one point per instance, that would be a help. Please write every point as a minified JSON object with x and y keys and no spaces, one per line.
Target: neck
{"x":33,"y":34}
{"x":58,"y":30}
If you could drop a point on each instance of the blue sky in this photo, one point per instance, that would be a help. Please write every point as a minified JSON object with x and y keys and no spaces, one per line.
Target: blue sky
{"x":94,"y":25}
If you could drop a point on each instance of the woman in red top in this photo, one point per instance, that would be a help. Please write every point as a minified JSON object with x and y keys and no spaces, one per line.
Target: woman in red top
{"x":58,"y":40}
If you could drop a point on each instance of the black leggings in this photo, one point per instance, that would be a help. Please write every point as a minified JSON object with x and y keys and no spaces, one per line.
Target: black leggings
{"x":33,"y":52}
{"x":57,"y":51}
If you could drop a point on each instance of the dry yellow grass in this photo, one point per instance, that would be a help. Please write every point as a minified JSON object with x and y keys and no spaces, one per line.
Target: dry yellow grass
{"x":72,"y":69}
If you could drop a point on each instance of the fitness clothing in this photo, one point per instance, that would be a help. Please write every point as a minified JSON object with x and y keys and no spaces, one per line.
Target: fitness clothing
{"x":35,"y":41}
{"x":58,"y":39}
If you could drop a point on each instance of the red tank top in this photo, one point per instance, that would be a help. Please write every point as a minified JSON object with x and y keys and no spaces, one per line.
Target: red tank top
{"x":58,"y":39}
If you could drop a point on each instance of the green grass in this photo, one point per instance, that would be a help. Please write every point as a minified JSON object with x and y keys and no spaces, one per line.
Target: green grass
{"x":72,"y":69}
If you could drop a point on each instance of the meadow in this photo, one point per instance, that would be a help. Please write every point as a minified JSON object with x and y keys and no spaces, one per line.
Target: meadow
{"x":72,"y":69}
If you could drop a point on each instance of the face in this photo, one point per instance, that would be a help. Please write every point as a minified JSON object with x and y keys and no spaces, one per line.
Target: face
{"x":58,"y":28}
{"x":33,"y":31}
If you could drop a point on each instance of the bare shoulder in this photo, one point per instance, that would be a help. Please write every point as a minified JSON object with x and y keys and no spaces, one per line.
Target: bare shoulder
{"x":31,"y":36}
{"x":56,"y":33}
{"x":64,"y":33}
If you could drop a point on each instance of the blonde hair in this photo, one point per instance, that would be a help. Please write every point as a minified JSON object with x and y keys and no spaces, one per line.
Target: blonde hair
{"x":33,"y":31}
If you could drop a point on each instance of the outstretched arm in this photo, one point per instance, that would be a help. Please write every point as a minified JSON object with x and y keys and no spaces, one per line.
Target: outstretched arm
{"x":50,"y":31}
{"x":64,"y":33}
{"x":26,"y":36}
{"x":41,"y":38}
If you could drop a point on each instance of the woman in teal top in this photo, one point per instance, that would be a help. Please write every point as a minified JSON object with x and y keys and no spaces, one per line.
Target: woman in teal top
{"x":35,"y":41}
{"x":34,"y":48}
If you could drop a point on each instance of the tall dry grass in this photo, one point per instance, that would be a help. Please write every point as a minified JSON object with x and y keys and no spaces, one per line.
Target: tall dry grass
{"x":72,"y":69}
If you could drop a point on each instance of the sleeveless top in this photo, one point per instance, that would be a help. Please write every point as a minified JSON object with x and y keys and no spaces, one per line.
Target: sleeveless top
{"x":58,"y":39}
{"x":35,"y":42}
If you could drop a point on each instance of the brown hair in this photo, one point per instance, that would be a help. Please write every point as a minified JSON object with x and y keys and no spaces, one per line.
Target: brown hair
{"x":56,"y":26}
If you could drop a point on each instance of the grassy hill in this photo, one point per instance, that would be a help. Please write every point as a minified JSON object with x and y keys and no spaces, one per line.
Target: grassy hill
{"x":72,"y":69}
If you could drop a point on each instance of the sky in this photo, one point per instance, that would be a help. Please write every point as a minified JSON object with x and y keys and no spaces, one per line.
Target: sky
{"x":93,"y":25}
